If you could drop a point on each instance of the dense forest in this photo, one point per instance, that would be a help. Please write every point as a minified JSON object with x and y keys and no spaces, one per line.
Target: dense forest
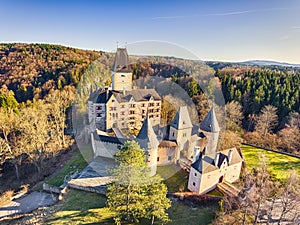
{"x":262,"y":103}
{"x":258,"y":88}
{"x":31,"y":70}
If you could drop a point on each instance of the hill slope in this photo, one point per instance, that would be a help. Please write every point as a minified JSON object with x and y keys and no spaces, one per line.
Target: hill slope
{"x":33,"y":69}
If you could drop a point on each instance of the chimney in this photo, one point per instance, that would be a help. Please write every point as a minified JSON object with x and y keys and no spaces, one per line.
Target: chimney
{"x":217,"y":159}
{"x":123,"y":91}
{"x":107,"y":92}
{"x":229,"y":155}
{"x":196,"y":153}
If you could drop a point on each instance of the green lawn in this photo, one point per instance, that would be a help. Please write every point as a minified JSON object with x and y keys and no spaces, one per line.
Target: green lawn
{"x":174,"y":177}
{"x":76,"y":162}
{"x":278,"y":164}
{"x":182,"y":214}
{"x":80,"y":207}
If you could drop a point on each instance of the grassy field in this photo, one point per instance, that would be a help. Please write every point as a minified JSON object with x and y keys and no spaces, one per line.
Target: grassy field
{"x":278,"y":164}
{"x":181,"y":214}
{"x":80,"y":207}
{"x":76,"y":162}
{"x":174,"y":177}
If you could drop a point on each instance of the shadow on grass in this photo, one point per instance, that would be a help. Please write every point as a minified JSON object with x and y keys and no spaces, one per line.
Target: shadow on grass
{"x":174,"y":177}
{"x":81,"y":207}
{"x":93,"y":216}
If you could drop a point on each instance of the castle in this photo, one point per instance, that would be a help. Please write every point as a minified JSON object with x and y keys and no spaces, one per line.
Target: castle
{"x":125,"y":107}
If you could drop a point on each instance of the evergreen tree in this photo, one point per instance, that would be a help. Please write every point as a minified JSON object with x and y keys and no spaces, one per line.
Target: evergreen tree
{"x":133,"y":194}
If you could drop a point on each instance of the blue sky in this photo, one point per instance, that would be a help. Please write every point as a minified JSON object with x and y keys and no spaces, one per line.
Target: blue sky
{"x":214,"y":30}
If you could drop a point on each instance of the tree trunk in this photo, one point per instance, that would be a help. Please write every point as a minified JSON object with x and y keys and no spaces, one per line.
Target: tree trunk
{"x":63,"y":139}
{"x":152,"y":220}
{"x":127,"y":203}
{"x":17,"y":170}
{"x":270,"y":212}
{"x":244,"y":216}
{"x":281,"y":215}
{"x":256,"y":213}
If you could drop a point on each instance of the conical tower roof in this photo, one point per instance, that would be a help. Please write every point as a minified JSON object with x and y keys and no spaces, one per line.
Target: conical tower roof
{"x":182,"y":119}
{"x":121,"y":59}
{"x":146,"y":137}
{"x":210,"y":122}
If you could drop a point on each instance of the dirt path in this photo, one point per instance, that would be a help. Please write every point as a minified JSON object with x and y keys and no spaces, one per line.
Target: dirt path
{"x":27,"y":203}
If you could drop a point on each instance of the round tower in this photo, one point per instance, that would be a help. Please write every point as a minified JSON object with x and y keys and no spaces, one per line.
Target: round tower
{"x":148,"y":141}
{"x":210,"y":127}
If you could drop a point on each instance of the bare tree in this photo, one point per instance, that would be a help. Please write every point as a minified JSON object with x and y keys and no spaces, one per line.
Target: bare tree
{"x":8,"y":122}
{"x":35,"y":133}
{"x":294,"y":120}
{"x":58,"y":102}
{"x":234,"y":115}
{"x":267,"y":120}
{"x":289,"y":198}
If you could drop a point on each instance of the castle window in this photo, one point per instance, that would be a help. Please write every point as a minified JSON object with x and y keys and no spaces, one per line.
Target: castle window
{"x":123,"y":113}
{"x":122,"y":75}
{"x":157,"y":159}
{"x":157,"y":115}
{"x":143,"y":105}
{"x":194,"y":184}
{"x":98,"y":107}
{"x":151,"y":116}
{"x":131,"y":112}
{"x":195,"y":174}
{"x":157,"y":110}
{"x":173,"y":134}
{"x":122,"y":106}
{"x":157,"y":104}
{"x":99,"y":115}
{"x":169,"y":158}
{"x":151,"y":110}
{"x":183,"y":122}
{"x":113,"y":100}
{"x":184,"y":134}
{"x":208,"y":176}
{"x":151,"y":104}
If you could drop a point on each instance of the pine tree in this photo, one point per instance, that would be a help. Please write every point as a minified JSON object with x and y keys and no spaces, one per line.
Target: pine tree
{"x":133,"y":194}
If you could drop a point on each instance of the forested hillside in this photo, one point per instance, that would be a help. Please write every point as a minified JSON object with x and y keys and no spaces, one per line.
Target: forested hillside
{"x":257,"y":88}
{"x":31,"y":70}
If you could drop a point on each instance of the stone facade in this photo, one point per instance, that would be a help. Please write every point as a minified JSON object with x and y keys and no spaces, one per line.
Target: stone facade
{"x":207,"y":172}
{"x":121,"y":106}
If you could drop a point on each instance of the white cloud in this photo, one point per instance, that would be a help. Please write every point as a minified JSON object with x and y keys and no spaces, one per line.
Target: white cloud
{"x":232,"y":13}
